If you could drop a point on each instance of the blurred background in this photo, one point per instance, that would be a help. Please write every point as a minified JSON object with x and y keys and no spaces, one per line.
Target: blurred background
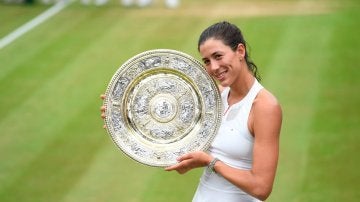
{"x":52,"y":71}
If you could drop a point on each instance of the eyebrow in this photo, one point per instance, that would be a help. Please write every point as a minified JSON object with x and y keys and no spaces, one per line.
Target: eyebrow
{"x":213,"y":54}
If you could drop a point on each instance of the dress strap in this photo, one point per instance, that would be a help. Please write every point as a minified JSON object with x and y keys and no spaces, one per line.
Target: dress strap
{"x":254,"y":91}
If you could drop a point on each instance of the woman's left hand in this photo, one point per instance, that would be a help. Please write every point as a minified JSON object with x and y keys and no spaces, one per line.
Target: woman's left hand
{"x":190,"y":161}
{"x":102,"y":109}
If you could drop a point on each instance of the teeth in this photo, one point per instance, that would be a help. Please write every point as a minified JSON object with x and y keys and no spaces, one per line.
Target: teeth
{"x":221,"y":74}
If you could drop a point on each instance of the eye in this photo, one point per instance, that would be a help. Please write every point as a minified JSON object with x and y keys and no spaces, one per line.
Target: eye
{"x":217,"y":57}
{"x":206,"y":62}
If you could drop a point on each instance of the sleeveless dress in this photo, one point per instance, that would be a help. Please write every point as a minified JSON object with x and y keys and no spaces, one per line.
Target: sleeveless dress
{"x":233,"y":145}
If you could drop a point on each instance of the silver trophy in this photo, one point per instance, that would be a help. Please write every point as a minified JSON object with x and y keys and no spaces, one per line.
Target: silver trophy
{"x":161,"y":104}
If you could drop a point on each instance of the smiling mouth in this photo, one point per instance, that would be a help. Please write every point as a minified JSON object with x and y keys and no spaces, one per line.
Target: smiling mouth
{"x":221,"y":75}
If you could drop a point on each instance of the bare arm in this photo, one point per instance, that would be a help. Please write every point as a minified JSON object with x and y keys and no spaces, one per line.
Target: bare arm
{"x":265,"y":123}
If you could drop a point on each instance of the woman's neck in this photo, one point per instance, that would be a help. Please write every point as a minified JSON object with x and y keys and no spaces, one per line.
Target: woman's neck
{"x":239,"y":89}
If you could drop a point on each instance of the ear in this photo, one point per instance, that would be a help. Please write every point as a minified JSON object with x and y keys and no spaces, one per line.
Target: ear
{"x":241,"y":50}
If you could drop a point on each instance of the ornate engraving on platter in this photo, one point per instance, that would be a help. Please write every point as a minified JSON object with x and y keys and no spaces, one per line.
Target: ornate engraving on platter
{"x":161,"y":104}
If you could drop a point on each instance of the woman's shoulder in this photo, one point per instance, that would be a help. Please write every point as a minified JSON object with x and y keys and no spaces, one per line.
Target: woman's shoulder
{"x":265,"y":101}
{"x":266,"y":114}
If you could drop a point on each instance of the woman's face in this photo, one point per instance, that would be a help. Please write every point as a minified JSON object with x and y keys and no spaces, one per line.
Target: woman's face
{"x":220,"y":61}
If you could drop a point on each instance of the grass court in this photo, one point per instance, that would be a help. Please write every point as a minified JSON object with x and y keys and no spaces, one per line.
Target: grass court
{"x":53,"y":146}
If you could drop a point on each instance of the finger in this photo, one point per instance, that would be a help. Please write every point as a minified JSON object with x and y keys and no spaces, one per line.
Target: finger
{"x":104,"y":126}
{"x":102,"y":108}
{"x":176,"y":167}
{"x":103,"y":115}
{"x":102,"y":96}
{"x":170,"y":168}
{"x":184,"y":157}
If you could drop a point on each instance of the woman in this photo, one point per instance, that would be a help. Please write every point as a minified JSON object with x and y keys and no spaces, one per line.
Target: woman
{"x":242,"y":160}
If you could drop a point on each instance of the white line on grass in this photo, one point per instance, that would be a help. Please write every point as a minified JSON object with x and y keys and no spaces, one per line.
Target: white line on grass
{"x":34,"y":22}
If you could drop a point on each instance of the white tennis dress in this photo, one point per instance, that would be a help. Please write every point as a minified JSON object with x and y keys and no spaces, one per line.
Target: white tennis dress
{"x":233,"y":145}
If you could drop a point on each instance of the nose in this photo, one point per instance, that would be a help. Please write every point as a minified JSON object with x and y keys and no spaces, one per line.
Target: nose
{"x":213,"y":66}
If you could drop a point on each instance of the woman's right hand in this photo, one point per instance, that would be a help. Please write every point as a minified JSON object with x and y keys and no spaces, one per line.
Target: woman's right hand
{"x":190,"y":161}
{"x":102,"y":109}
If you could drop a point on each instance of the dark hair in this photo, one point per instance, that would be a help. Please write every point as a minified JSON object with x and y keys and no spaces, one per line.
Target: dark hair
{"x":231,"y":36}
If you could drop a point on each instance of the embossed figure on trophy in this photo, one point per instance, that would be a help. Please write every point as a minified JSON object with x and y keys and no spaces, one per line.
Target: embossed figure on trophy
{"x":187,"y":111}
{"x":140,"y":104}
{"x":116,"y":119}
{"x":120,"y":87}
{"x":166,"y":86}
{"x":163,"y":109}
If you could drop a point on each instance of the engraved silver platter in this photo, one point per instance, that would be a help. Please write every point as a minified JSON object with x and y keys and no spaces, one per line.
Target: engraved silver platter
{"x":161,"y":104}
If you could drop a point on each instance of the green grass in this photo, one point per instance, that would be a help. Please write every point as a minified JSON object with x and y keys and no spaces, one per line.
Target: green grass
{"x":12,"y":16}
{"x":53,"y":147}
